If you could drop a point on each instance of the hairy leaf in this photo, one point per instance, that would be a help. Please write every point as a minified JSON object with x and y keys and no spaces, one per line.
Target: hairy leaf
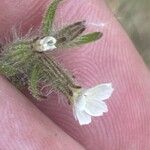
{"x":49,"y":17}
{"x":7,"y":70}
{"x":33,"y":82}
{"x":17,"y":55}
{"x":91,"y":37}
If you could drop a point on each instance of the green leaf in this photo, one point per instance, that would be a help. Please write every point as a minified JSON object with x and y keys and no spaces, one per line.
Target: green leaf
{"x":17,"y":49}
{"x":91,"y":37}
{"x":49,"y":17}
{"x":7,"y":70}
{"x":34,"y":81}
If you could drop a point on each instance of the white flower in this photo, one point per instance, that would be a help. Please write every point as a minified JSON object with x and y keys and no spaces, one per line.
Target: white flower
{"x":90,"y":102}
{"x":45,"y":44}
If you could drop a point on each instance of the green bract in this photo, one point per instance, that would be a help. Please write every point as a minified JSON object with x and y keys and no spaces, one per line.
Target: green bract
{"x":24,"y":66}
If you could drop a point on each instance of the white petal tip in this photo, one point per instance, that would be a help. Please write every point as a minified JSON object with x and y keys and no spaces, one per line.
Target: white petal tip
{"x":103,"y":91}
{"x":83,"y":124}
{"x":109,"y":85}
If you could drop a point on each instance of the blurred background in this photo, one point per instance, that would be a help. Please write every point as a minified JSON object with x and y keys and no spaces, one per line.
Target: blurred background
{"x":134,"y":15}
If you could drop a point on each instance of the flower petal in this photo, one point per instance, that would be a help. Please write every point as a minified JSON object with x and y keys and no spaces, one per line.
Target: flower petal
{"x":96,"y":108}
{"x":99,"y":92}
{"x":80,"y":103}
{"x":82,"y":117}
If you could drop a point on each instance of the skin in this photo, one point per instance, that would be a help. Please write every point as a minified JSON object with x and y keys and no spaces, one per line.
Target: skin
{"x":50,"y":124}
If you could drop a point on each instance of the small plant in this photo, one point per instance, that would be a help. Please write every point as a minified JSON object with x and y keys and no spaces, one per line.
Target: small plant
{"x":28,"y":62}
